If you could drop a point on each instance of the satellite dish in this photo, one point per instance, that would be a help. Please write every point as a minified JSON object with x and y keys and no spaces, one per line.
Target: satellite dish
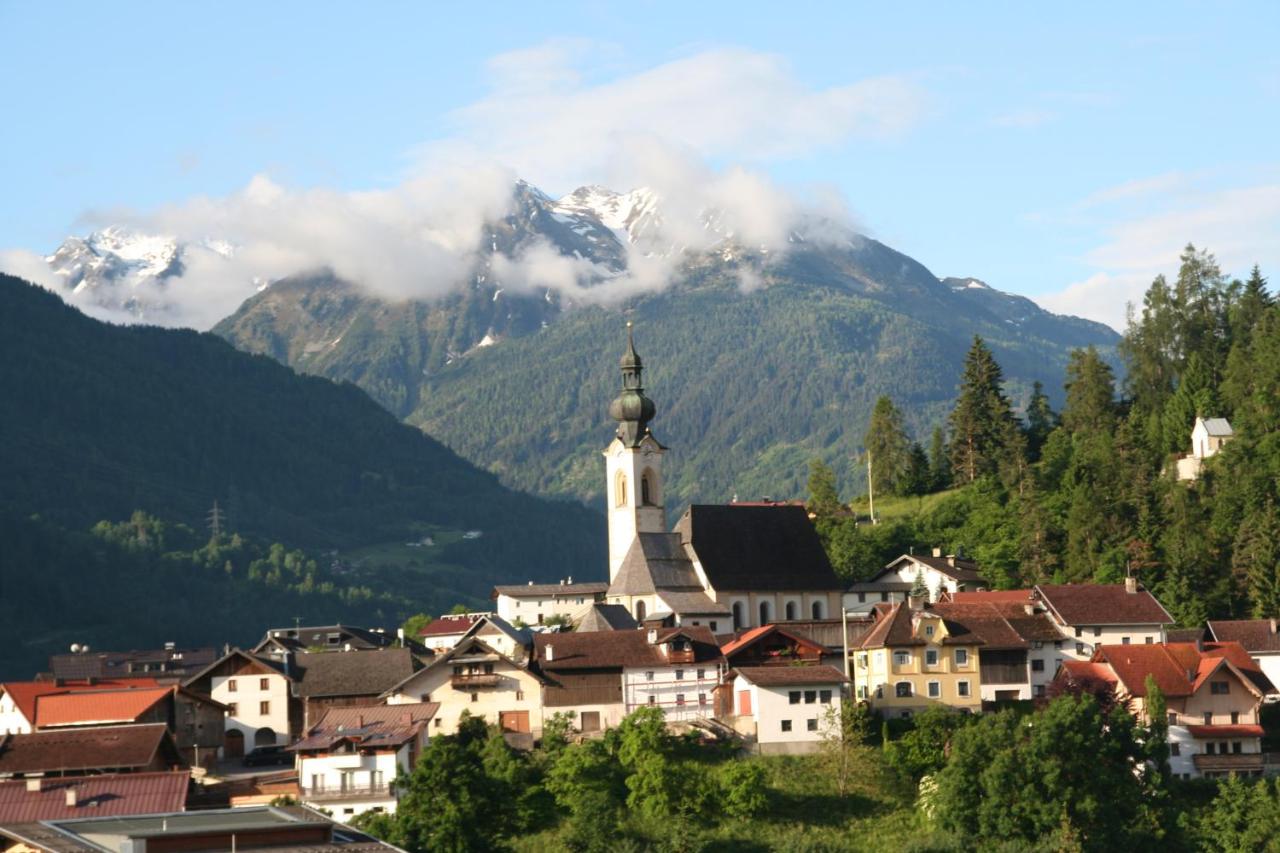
{"x":84,"y":649}
{"x":75,"y":648}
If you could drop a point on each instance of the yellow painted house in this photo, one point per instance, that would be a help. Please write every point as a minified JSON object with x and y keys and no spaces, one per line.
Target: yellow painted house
{"x":913,"y":658}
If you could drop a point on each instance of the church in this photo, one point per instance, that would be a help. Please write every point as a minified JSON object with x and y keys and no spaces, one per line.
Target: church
{"x":727,"y":567}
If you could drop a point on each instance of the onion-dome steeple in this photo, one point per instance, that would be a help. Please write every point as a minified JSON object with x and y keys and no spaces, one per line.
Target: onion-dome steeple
{"x":631,"y":408}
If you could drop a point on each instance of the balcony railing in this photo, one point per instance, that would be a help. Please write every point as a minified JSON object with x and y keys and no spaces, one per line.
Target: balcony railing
{"x":350,"y":792}
{"x":1233,"y":762}
{"x":468,"y":680}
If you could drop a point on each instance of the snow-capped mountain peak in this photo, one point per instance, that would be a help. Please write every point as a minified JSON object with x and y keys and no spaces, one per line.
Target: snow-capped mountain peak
{"x":632,"y":216}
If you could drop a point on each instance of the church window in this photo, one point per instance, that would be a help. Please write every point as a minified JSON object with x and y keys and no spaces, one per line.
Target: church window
{"x":791,"y":611}
{"x":816,"y":610}
{"x":639,"y":611}
{"x":765,"y":613}
{"x":646,"y":489}
{"x":620,"y":490}
{"x":739,"y":619}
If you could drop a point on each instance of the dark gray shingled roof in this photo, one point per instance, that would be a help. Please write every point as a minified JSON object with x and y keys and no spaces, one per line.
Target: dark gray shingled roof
{"x":607,"y":617}
{"x":655,"y":561}
{"x":698,"y":603}
{"x":764,"y":548}
{"x":355,"y":673}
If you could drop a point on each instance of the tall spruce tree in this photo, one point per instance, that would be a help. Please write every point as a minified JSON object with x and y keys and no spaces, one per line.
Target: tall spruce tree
{"x":889,"y":447}
{"x":982,"y":423}
{"x":939,"y":461}
{"x":1256,"y":559}
{"x":1091,"y":392}
{"x":1041,"y":420}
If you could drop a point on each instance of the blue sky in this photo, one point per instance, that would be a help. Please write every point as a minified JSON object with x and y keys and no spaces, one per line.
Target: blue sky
{"x":1063,"y":156}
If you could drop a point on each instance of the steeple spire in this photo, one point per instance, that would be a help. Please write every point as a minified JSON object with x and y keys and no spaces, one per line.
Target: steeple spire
{"x":631,"y":408}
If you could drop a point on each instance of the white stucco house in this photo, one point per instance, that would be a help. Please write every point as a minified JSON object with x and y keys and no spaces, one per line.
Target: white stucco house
{"x":538,"y":603}
{"x":1207,"y":438}
{"x":786,"y":709}
{"x":1259,"y":637}
{"x":941,"y":574}
{"x":258,"y":693}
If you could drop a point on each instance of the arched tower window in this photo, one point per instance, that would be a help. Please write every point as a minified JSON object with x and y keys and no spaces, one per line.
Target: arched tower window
{"x":817,"y":610}
{"x":739,"y":618}
{"x":791,"y":611}
{"x":646,"y":490}
{"x":620,"y":489}
{"x":639,"y":611}
{"x":766,"y":613}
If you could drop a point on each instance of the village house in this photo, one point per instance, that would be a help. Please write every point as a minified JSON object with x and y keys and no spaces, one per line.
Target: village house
{"x":784,"y":709}
{"x":772,"y":645}
{"x":540,"y":603}
{"x":79,"y":752}
{"x":169,"y":664}
{"x":1259,"y":637}
{"x":939,"y":574}
{"x":485,"y":675}
{"x":258,"y":694}
{"x":1212,"y":696}
{"x":18,"y":698}
{"x":913,"y":658}
{"x":1208,"y":436}
{"x":1022,"y":648}
{"x":440,"y":635}
{"x":1093,"y":615}
{"x":111,"y":795}
{"x":722,"y":567}
{"x":325,"y":680}
{"x":347,"y":760}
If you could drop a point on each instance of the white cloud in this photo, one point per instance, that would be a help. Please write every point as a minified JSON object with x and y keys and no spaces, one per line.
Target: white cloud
{"x":1238,"y":225}
{"x":555,"y":116}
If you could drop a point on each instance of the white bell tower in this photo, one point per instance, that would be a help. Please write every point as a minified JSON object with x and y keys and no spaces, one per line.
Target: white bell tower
{"x":633,"y":465}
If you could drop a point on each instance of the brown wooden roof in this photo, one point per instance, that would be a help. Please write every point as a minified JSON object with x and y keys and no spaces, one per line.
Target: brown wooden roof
{"x":96,"y":748}
{"x":1256,"y":635}
{"x":785,"y":676}
{"x":618,"y":649}
{"x":1102,"y":604}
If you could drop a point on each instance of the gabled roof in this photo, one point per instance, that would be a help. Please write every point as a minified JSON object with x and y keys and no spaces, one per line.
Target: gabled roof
{"x":655,"y":561}
{"x":25,"y":693}
{"x":787,"y":676}
{"x":999,"y":624}
{"x":551,"y":590}
{"x":520,"y":636}
{"x":1256,"y":635}
{"x":606,"y":617}
{"x":1102,"y":604}
{"x":1179,"y":669}
{"x":94,"y":796}
{"x":764,"y":548}
{"x":755,"y":635}
{"x":466,"y":646}
{"x":692,"y":603}
{"x":618,"y":649}
{"x":368,"y":672}
{"x":446,"y":626}
{"x":954,"y":567}
{"x":78,"y":749}
{"x":96,"y":708}
{"x":268,"y":664}
{"x":1217,"y":427}
{"x":326,"y":636}
{"x":893,"y":627}
{"x":162,"y":663}
{"x":372,"y":727}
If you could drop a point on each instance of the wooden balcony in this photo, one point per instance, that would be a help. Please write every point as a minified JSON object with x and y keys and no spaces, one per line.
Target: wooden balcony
{"x":472,"y":680}
{"x":1235,"y":762}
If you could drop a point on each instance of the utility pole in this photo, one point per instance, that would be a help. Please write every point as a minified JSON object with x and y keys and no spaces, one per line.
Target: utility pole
{"x":215,"y":521}
{"x":871,"y":489}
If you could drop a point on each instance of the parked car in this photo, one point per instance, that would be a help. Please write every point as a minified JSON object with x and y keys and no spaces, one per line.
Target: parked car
{"x":266,"y":756}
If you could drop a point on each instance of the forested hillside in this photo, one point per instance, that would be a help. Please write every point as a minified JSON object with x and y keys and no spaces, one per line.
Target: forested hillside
{"x":1090,"y":493}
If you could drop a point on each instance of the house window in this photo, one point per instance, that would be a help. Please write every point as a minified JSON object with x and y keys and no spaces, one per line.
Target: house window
{"x":928,"y":630}
{"x":962,"y":688}
{"x":1208,"y":718}
{"x":264,"y":684}
{"x":1235,"y":718}
{"x":264,"y":708}
{"x":1148,"y":640}
{"x":862,"y":598}
{"x":880,"y":691}
{"x":519,"y":695}
{"x":786,"y":725}
{"x":1219,"y":688}
{"x":810,"y":696}
{"x":702,"y":699}
{"x":1124,"y":641}
{"x":862,"y":691}
{"x":811,"y":724}
{"x":653,"y":700}
{"x":862,"y":659}
{"x":1173,"y":718}
{"x":702,"y":673}
{"x":901,"y":658}
{"x":824,"y":696}
{"x":376,"y":779}
{"x":457,"y":670}
{"x":794,"y":697}
{"x":680,"y":700}
{"x":231,"y":685}
{"x":816,"y":610}
{"x":714,"y":626}
{"x":1237,"y":746}
{"x":1097,"y":632}
{"x":317,"y":781}
{"x":765,"y":612}
{"x":903,"y":689}
{"x":1079,"y":632}
{"x":648,"y":676}
{"x":1175,"y":749}
{"x":1210,"y":748}
{"x":488,"y":669}
{"x":1040,"y":691}
{"x":1037,"y":665}
{"x":679,"y":675}
{"x":962,"y":657}
{"x":232,"y":709}
{"x":475,"y":697}
{"x":930,"y":657}
{"x":1079,"y":648}
{"x":439,"y":722}
{"x":884,"y":596}
{"x":935,"y":689}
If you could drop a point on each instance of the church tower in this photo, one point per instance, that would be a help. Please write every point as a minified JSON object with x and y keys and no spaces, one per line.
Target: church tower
{"x":633,"y":465}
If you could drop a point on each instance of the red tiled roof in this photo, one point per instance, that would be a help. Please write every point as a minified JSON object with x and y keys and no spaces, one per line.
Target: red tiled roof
{"x":371,"y":726}
{"x":992,"y":596}
{"x":96,"y":707}
{"x":1225,"y":731}
{"x":25,"y":693}
{"x":95,"y":796}
{"x":1084,"y":671}
{"x":781,"y":676}
{"x":1256,"y":635}
{"x":1102,"y":604}
{"x":449,"y":625}
{"x":755,"y":634}
{"x":1179,"y":669}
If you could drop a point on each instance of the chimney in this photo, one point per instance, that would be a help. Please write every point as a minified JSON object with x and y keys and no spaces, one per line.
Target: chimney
{"x":570,"y":580}
{"x":653,"y":636}
{"x":71,"y":797}
{"x":34,"y":785}
{"x":550,"y":652}
{"x":530,"y":583}
{"x":1273,"y":625}
{"x":170,"y":646}
{"x":951,"y":560}
{"x":1029,"y":609}
{"x":937,"y":552}
{"x":359,"y":721}
{"x":1131,"y":585}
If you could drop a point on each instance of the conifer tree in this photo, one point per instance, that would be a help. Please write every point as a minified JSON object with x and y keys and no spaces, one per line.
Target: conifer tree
{"x":982,"y":423}
{"x":917,"y":479}
{"x":1256,"y":559}
{"x":939,"y":461}
{"x":1041,"y":420}
{"x":889,"y":447}
{"x":824,"y":500}
{"x":1091,"y":393}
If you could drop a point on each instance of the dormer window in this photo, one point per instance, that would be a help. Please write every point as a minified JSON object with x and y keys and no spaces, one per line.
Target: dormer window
{"x":928,"y":630}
